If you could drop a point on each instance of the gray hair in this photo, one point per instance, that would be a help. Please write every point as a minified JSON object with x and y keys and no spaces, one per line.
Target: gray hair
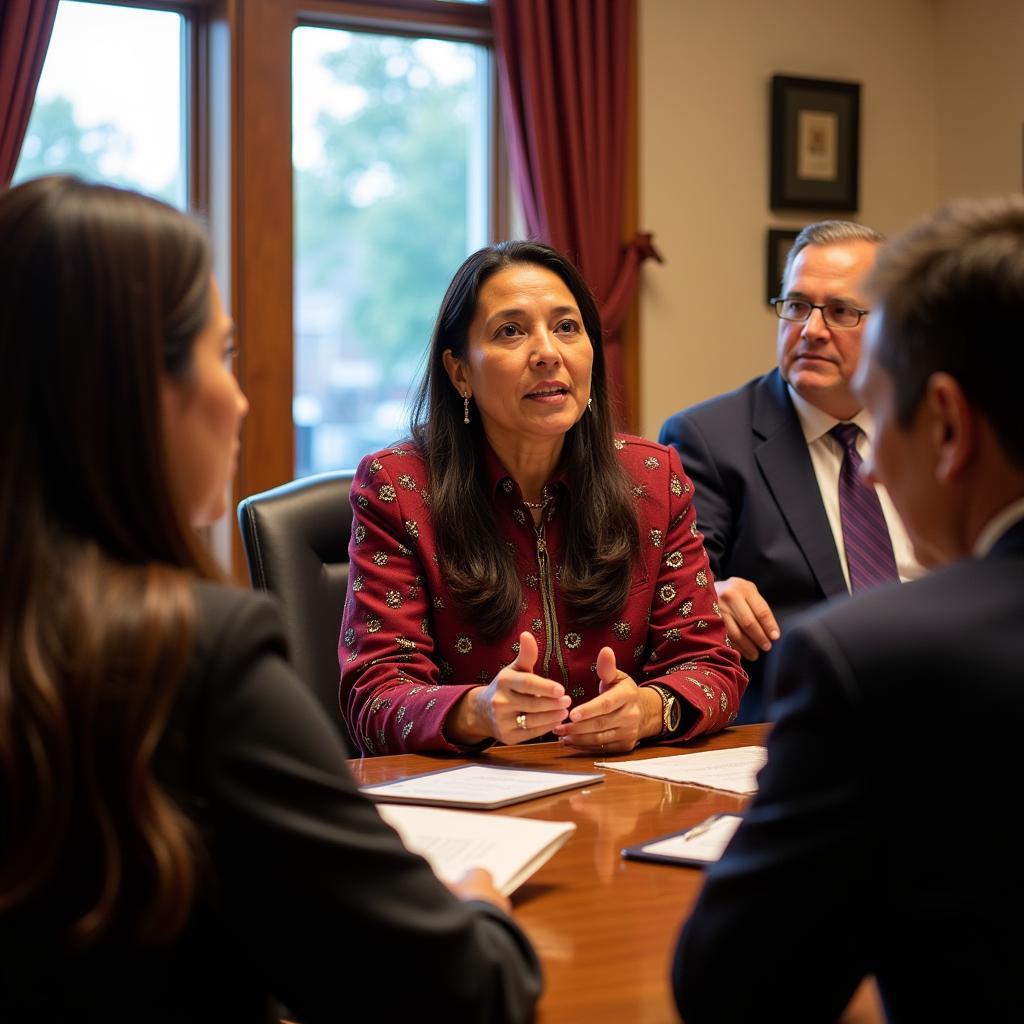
{"x":829,"y":232}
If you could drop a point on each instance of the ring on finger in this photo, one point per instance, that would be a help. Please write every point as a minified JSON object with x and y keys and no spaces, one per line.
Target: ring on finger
{"x":521,"y":720}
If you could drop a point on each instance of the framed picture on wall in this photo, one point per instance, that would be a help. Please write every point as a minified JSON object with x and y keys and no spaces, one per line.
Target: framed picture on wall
{"x":780,"y":241}
{"x":815,"y":141}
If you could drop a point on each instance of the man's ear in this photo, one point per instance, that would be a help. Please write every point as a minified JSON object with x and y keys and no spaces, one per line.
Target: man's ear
{"x":456,"y":370}
{"x":954,"y":427}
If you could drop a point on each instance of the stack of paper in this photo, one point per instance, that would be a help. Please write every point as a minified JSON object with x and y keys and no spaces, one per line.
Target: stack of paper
{"x":734,"y":771}
{"x":452,"y":842}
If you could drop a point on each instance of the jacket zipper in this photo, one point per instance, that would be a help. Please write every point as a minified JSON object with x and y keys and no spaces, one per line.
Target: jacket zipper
{"x":548,"y":599}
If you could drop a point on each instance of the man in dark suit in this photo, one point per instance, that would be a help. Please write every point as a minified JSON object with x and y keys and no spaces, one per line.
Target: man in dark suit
{"x":878,"y":843}
{"x":766,"y":468}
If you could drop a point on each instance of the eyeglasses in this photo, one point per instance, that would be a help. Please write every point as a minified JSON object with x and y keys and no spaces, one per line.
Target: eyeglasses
{"x":835,"y":314}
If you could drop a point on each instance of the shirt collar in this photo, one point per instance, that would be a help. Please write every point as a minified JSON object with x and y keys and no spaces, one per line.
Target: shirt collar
{"x":997,"y":526}
{"x":815,"y":423}
{"x":499,"y":480}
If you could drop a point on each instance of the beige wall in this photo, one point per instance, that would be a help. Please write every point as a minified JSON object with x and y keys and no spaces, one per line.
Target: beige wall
{"x":704,"y":105}
{"x":980,"y":96}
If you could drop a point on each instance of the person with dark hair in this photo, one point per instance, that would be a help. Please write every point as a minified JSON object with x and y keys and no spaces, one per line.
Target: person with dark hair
{"x":517,"y":569}
{"x":786,"y":520}
{"x":874,"y":846}
{"x":180,"y":837}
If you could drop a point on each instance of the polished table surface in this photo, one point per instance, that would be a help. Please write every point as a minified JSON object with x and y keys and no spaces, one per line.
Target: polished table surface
{"x":605,"y":927}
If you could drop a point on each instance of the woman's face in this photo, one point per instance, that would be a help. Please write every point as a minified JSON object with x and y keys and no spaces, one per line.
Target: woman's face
{"x":528,"y":358}
{"x":203,"y":414}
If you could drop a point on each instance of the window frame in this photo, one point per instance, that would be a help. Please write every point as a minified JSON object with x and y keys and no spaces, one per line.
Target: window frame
{"x":194,"y":71}
{"x":262,"y":230}
{"x":237,"y":70}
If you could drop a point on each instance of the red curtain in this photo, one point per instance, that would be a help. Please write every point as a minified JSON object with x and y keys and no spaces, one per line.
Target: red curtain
{"x":25,"y":27}
{"x":565,"y":74}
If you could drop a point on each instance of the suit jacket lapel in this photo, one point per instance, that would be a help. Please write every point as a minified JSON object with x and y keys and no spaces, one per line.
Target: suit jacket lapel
{"x":781,"y":453}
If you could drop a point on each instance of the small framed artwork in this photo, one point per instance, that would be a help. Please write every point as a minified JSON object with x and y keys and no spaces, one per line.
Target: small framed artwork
{"x":780,"y":241}
{"x":815,"y":144}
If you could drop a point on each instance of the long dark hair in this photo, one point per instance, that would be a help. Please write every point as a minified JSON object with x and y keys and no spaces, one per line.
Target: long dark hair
{"x":602,"y":538}
{"x":102,"y":293}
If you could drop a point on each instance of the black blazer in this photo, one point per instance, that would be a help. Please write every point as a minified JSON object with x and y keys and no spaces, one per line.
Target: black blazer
{"x":880,"y":840}
{"x":758,"y":505}
{"x":308,"y":898}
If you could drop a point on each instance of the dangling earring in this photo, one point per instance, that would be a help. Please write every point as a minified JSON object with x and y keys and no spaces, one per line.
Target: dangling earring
{"x":465,"y":407}
{"x":590,"y":405}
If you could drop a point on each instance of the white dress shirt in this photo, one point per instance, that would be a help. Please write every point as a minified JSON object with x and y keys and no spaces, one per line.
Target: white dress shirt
{"x":827,"y":459}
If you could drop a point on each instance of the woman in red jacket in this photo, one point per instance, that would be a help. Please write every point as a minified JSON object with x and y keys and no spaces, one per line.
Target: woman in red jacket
{"x":516,"y":568}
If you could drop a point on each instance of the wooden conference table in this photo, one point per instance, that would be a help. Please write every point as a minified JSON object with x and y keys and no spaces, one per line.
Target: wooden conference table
{"x":604,"y":926}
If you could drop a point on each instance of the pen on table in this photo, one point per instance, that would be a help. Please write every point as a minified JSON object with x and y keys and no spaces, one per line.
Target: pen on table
{"x":699,"y":830}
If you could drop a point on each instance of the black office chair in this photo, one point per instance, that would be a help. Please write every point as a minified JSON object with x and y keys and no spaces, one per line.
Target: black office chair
{"x":296,"y":543}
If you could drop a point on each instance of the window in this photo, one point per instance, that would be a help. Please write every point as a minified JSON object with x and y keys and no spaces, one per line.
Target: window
{"x":333,"y":285}
{"x":391,"y":144}
{"x":111,"y":101}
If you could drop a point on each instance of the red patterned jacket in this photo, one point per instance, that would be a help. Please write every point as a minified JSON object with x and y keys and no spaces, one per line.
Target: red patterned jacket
{"x":407,"y":653}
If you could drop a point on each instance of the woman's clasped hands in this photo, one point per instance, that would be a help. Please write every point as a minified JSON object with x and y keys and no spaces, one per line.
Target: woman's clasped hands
{"x":515,"y":706}
{"x":518,"y":705}
{"x":617,"y":719}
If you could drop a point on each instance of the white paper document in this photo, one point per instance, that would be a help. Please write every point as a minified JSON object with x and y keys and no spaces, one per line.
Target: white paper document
{"x":452,"y":842}
{"x":702,"y":844}
{"x":734,"y":771}
{"x":479,"y":785}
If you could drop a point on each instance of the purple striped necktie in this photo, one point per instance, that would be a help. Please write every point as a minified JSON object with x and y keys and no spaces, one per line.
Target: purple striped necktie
{"x":865,"y":533}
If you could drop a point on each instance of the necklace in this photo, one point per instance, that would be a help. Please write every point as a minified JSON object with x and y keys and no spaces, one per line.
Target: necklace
{"x":538,"y":504}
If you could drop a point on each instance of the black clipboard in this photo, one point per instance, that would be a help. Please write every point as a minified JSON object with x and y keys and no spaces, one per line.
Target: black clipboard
{"x":642,"y":850}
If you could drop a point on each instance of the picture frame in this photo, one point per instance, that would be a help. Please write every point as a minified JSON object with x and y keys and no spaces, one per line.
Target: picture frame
{"x":780,"y":241}
{"x":815,"y":144}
